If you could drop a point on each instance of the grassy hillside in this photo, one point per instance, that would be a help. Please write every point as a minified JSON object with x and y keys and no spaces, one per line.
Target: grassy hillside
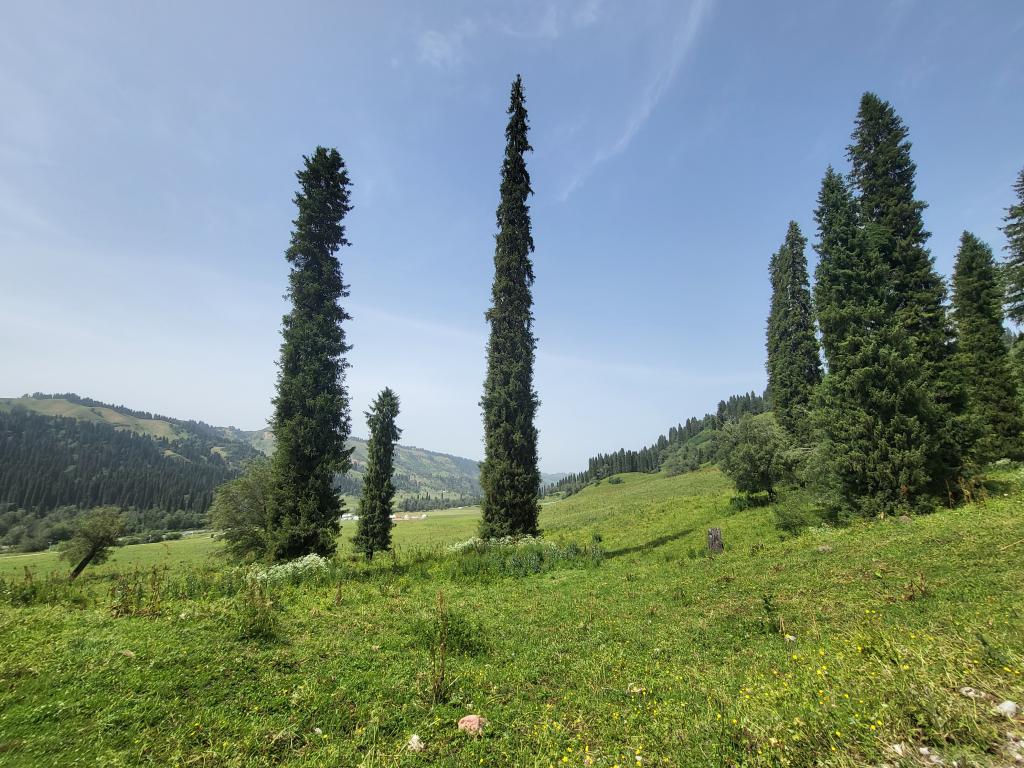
{"x":417,"y":471}
{"x":101,"y":414}
{"x":838,"y":647}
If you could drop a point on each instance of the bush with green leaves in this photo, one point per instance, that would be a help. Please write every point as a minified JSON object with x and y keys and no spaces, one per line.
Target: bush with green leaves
{"x":756,"y":454}
{"x":241,"y":511}
{"x":96,"y":532}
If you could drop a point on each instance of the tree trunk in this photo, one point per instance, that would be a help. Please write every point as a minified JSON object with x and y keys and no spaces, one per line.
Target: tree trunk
{"x":81,"y":566}
{"x":715,"y":540}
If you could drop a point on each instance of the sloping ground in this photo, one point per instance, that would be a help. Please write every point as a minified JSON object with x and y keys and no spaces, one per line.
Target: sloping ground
{"x":69,"y":410}
{"x":416,"y":470}
{"x":838,"y":647}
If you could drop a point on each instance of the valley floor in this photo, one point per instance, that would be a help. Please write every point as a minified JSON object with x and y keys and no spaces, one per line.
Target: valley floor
{"x":837,"y":647}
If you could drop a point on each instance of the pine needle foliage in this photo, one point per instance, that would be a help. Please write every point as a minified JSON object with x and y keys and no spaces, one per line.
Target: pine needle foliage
{"x":509,"y":475}
{"x":311,"y":420}
{"x":375,"y":504}
{"x":981,"y":352}
{"x":873,"y":412}
{"x":1013,"y":228}
{"x":892,"y":410}
{"x":794,"y":362}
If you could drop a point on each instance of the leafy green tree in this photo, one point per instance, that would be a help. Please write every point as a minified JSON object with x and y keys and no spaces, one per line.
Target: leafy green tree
{"x":241,"y":511}
{"x":1013,"y":228}
{"x":311,"y":420}
{"x":509,"y":475}
{"x":982,"y":354}
{"x":755,"y":453}
{"x":794,"y":364}
{"x":96,"y":532}
{"x":374,"y":532}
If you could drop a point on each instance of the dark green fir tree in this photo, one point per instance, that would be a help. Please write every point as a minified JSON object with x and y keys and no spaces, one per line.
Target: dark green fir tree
{"x":848,"y":287}
{"x":311,"y":420}
{"x":873,"y":412}
{"x":982,"y":355}
{"x":794,"y":363}
{"x":375,"y":504}
{"x":509,"y":475}
{"x":883,"y":176}
{"x":1013,"y":228}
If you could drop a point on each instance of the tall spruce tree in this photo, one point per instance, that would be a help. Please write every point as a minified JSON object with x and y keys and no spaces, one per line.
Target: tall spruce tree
{"x":509,"y":475}
{"x":883,"y":175}
{"x":981,"y":351}
{"x":1013,"y":228}
{"x":849,"y":285}
{"x":794,"y":363}
{"x":311,"y":420}
{"x":374,"y":531}
{"x":873,"y":411}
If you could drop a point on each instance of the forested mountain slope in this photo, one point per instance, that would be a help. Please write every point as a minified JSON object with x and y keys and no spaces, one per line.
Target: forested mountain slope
{"x":63,"y":453}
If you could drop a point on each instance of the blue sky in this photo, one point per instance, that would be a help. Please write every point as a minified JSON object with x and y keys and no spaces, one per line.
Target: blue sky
{"x":148,"y":151}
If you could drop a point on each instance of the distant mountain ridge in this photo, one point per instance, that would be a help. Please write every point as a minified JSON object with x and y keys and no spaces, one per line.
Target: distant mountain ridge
{"x":418,"y":471}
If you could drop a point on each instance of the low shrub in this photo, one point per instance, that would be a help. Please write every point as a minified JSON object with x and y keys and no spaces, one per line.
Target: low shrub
{"x":797,"y":511}
{"x":254,"y":613}
{"x":517,"y":557}
{"x":293,"y":571}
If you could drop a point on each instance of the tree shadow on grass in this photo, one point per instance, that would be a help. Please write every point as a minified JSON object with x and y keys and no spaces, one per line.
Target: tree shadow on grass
{"x":652,"y":544}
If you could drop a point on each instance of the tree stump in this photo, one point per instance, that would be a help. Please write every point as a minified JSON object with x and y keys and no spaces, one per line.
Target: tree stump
{"x":715,"y":540}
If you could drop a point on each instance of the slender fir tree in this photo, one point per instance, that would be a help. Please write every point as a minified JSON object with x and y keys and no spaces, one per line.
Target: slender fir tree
{"x":1013,"y":228}
{"x":794,"y":363}
{"x":848,"y":285}
{"x":374,"y":532}
{"x":883,"y":175}
{"x":981,"y":351}
{"x":311,"y":410}
{"x":873,"y":411}
{"x":509,"y":475}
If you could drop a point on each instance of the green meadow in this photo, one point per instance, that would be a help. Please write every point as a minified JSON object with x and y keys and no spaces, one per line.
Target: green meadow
{"x":837,"y":647}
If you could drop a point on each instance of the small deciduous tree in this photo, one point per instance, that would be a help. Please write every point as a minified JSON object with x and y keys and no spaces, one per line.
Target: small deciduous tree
{"x":755,"y":453}
{"x":241,"y":511}
{"x":374,"y":532}
{"x":96,"y":532}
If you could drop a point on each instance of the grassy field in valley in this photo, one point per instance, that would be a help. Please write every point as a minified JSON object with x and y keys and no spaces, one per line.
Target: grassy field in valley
{"x":840,"y":646}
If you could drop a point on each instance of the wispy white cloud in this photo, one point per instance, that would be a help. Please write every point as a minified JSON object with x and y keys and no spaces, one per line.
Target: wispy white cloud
{"x":652,"y":93}
{"x":588,"y":13}
{"x":445,"y":50}
{"x":548,"y":21}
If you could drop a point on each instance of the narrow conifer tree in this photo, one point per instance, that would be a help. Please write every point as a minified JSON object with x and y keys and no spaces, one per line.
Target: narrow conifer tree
{"x":794,"y":363}
{"x":311,"y":420}
{"x":981,"y":352}
{"x":873,"y":412}
{"x":509,"y":475}
{"x":374,"y":531}
{"x":1013,"y":228}
{"x":848,"y":285}
{"x":883,"y":175}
